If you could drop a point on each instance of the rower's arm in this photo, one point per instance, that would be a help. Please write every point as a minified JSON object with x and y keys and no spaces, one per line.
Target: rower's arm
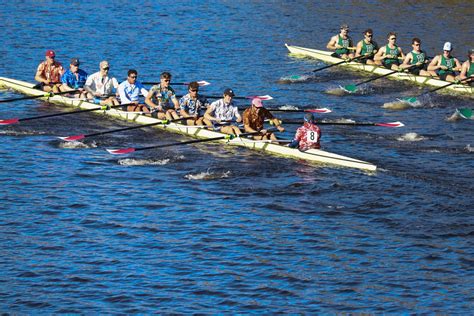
{"x":207,"y":114}
{"x":175,"y":102}
{"x":464,"y":69}
{"x":458,"y":65}
{"x":39,"y":75}
{"x":407,"y":61}
{"x":358,"y":49}
{"x":380,"y":55}
{"x":402,"y":55}
{"x":332,"y":43}
{"x":238,"y":117}
{"x":88,"y":86}
{"x":149,"y":102}
{"x":434,"y":64}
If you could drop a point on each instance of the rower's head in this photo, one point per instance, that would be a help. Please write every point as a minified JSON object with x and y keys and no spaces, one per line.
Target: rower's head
{"x":165,"y":79}
{"x":132,"y":75}
{"x":344,"y":29}
{"x":50,"y":55}
{"x":257,"y":103}
{"x":368,"y":34}
{"x":193,"y":88}
{"x":309,"y":118}
{"x":392,"y":37}
{"x":74,"y":65}
{"x":228,"y":95}
{"x":447,"y":48}
{"x":416,"y":43}
{"x":104,"y":67}
{"x":470,"y":53}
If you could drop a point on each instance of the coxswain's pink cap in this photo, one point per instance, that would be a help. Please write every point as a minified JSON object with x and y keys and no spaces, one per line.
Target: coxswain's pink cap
{"x":50,"y":53}
{"x":257,"y":102}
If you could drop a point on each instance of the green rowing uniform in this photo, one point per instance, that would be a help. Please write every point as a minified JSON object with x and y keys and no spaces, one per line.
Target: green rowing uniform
{"x":448,"y":62}
{"x":470,"y":71}
{"x":344,"y":43}
{"x":417,"y":58}
{"x":368,"y":48}
{"x":388,"y":62}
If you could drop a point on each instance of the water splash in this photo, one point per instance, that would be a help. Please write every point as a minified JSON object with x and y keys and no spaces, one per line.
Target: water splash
{"x":411,"y":137}
{"x":208,"y":175}
{"x":469,"y":148}
{"x":143,"y":162}
{"x":454,"y":117}
{"x":295,"y":79}
{"x":77,"y":145}
{"x":20,"y":133}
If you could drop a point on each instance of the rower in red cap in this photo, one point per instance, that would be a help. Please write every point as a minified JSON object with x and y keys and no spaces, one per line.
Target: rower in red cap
{"x":49,"y":73}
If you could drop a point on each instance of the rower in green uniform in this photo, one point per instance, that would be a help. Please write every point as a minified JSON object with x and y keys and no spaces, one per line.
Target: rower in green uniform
{"x":341,"y":43}
{"x":445,"y":65}
{"x":416,"y":60}
{"x":367,"y":47}
{"x":390,"y":55}
{"x":467,"y":69}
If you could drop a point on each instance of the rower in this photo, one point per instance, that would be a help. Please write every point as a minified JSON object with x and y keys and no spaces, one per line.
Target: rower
{"x":129,"y":92}
{"x":367,"y":47}
{"x":467,"y":69}
{"x":254,"y":117}
{"x":341,"y":43}
{"x":417,"y":57}
{"x":445,"y":65}
{"x":389,"y":55}
{"x":49,"y":73}
{"x":193,"y":106}
{"x":308,"y":135}
{"x":101,"y":86}
{"x":162,"y":100}
{"x":74,"y":79}
{"x":222,"y":112}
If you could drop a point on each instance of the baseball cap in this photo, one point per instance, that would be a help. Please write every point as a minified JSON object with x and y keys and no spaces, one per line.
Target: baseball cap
{"x":447,"y":46}
{"x":471,"y":51}
{"x":50,"y":53}
{"x":75,"y":61}
{"x":309,"y":117}
{"x":344,"y":27}
{"x":257,"y":102}
{"x":229,"y":92}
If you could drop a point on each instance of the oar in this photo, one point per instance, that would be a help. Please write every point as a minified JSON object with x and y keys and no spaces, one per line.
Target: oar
{"x":44,"y":95}
{"x":321,"y":110}
{"x":16,"y":120}
{"x":353,"y":87}
{"x":131,"y":149}
{"x":465,"y":113}
{"x":296,"y":77}
{"x":201,"y":83}
{"x":414,"y":99}
{"x":82,"y":136}
{"x":391,"y":124}
{"x":261,"y":97}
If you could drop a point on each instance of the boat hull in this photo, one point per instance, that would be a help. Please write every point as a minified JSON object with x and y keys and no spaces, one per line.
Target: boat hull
{"x":313,"y":155}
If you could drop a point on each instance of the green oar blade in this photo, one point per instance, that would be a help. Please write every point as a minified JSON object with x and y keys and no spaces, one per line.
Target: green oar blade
{"x":351,"y":88}
{"x":410,"y":100}
{"x":465,"y":113}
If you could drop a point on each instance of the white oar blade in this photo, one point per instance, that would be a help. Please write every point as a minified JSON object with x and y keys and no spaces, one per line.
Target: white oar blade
{"x":261,"y":97}
{"x":203,"y":83}
{"x":322,"y":110}
{"x":391,"y":124}
{"x":72,"y":138}
{"x":9,"y":121}
{"x":121,"y":151}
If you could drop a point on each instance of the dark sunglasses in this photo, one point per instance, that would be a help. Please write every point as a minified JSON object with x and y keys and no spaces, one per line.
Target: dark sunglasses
{"x":166,"y":80}
{"x":194,"y":90}
{"x":368,"y":35}
{"x":393,"y":38}
{"x":105,"y":68}
{"x":133,"y":77}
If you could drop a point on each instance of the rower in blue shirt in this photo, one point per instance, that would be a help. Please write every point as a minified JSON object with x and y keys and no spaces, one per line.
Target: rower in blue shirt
{"x":74,"y":79}
{"x":129,"y":92}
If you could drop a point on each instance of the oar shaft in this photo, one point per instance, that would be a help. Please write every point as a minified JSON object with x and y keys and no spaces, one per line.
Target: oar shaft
{"x":45,"y":95}
{"x":133,"y":127}
{"x":341,"y":62}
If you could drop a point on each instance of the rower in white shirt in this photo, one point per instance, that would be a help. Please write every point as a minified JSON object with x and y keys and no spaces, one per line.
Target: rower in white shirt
{"x":222,"y":112}
{"x":129,"y":92}
{"x":102,"y":86}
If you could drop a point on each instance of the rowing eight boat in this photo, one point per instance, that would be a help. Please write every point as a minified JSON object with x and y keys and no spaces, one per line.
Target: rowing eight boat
{"x":326,"y":57}
{"x":312,"y":155}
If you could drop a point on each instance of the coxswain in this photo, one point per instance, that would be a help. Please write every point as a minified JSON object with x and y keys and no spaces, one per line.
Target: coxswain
{"x":341,"y":43}
{"x":308,"y":135}
{"x":416,"y":60}
{"x":467,"y":69}
{"x":101,"y":86}
{"x":390,"y":55}
{"x":223,"y":112}
{"x":74,"y":79}
{"x":162,"y":100}
{"x":193,"y":106}
{"x":255,"y":116}
{"x":129,"y":92}
{"x":445,"y":65}
{"x":49,"y":73}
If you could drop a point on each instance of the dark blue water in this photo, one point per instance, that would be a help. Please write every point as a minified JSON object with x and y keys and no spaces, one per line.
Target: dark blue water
{"x":213,"y":229}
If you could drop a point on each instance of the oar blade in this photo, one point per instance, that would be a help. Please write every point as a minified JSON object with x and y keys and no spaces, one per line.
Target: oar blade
{"x":410,"y":100}
{"x":465,"y":113}
{"x":391,"y":124}
{"x":350,"y":88}
{"x":261,"y":97}
{"x":322,"y":110}
{"x":73,"y":138}
{"x":121,"y":151}
{"x":9,"y":121}
{"x":203,"y":83}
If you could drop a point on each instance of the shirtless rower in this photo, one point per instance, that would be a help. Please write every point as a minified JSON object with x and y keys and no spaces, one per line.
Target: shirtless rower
{"x":416,"y":60}
{"x":222,"y":112}
{"x":129,"y":92}
{"x":367,"y":47}
{"x":254,"y":117}
{"x":445,"y":65}
{"x":49,"y":73}
{"x":390,"y":55}
{"x":341,"y":43}
{"x":162,"y":100}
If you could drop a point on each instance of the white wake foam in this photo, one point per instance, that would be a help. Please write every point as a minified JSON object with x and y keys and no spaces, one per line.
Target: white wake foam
{"x":143,"y":162}
{"x":411,"y":137}
{"x":208,"y":175}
